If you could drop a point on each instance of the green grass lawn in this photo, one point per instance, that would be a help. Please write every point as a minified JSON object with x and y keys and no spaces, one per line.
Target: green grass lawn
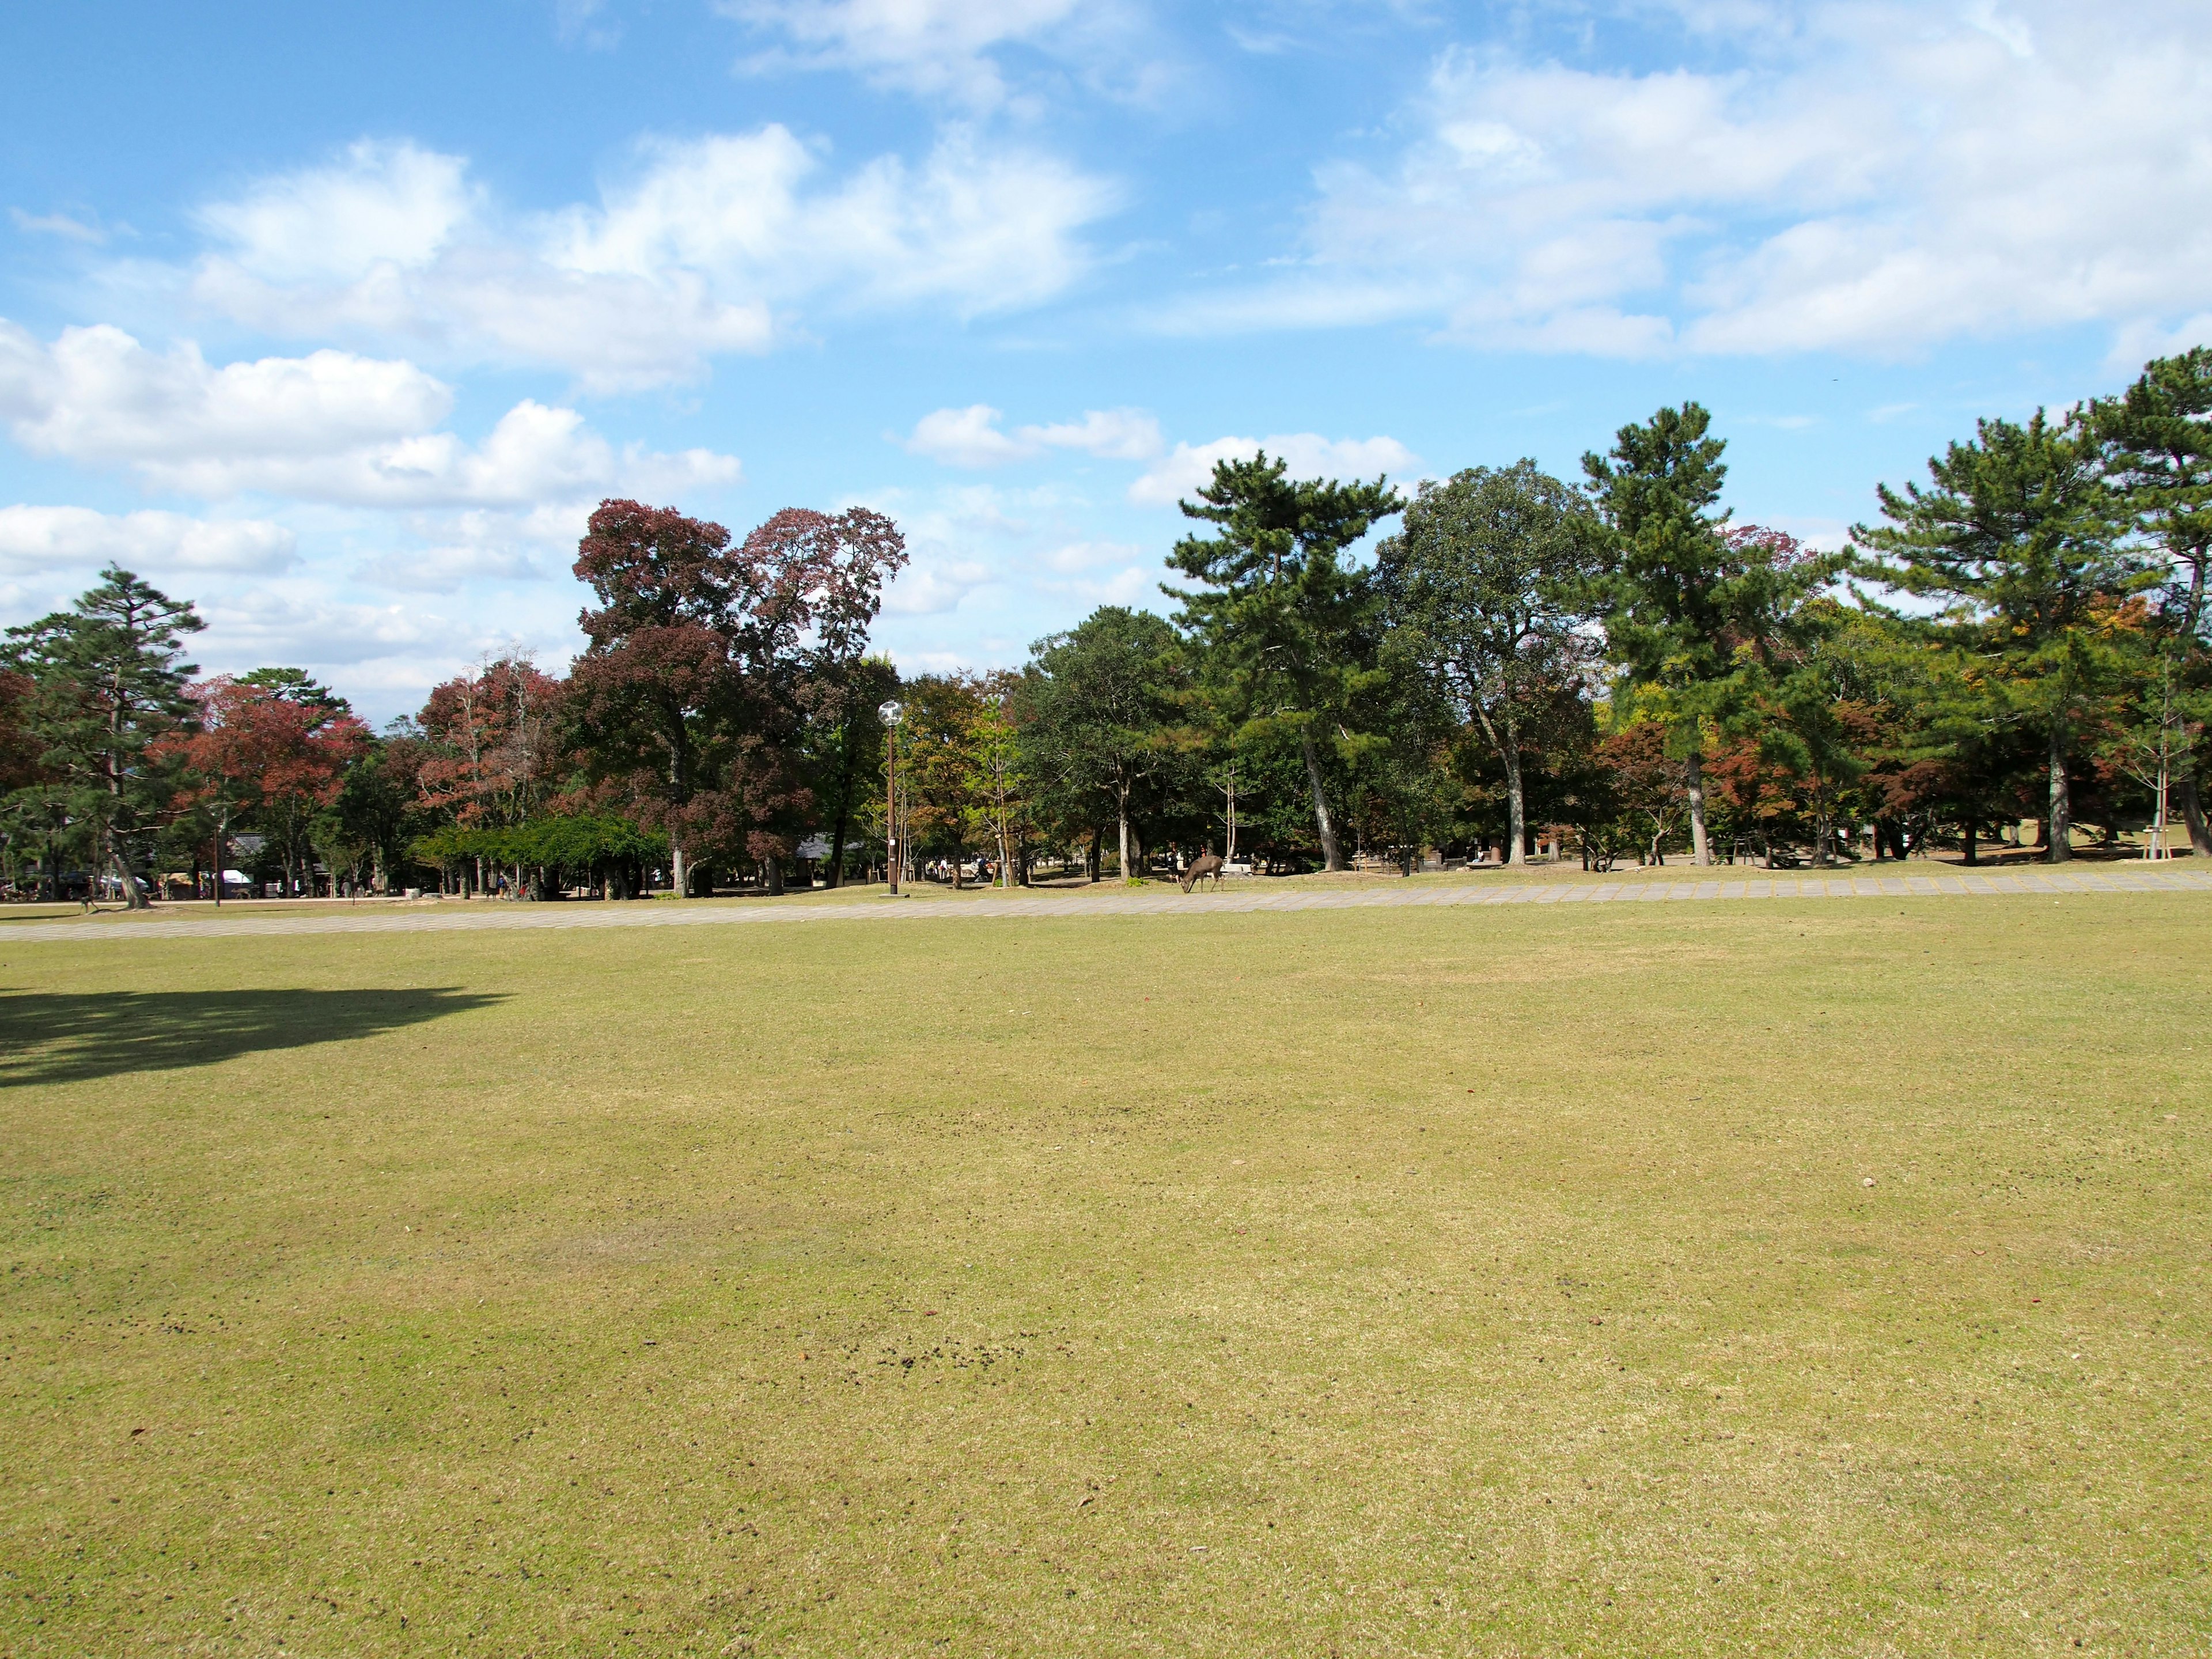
{"x":1341,"y":1282}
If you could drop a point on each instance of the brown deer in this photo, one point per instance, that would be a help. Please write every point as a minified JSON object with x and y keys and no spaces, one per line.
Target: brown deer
{"x":1207,"y":864}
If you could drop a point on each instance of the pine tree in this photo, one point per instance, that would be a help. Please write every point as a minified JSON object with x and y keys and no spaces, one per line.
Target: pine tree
{"x":1676,"y":599}
{"x":107,"y":685}
{"x":2157,"y":452}
{"x":1282,"y":621}
{"x":2018,"y":531}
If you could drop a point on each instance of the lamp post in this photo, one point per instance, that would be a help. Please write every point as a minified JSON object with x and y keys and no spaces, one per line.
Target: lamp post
{"x":890,"y":714}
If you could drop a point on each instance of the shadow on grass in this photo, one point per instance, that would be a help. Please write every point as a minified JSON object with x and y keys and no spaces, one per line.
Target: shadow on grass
{"x":46,"y":1038}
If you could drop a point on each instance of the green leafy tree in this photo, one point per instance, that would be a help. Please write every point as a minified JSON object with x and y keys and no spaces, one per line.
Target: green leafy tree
{"x":107,"y":685}
{"x":943,"y":740}
{"x":1483,"y":592}
{"x":1100,"y":713}
{"x":1281,"y":621}
{"x":366,"y":828}
{"x":34,"y":818}
{"x":2017,"y":532}
{"x":2156,"y":438}
{"x":845,"y":752}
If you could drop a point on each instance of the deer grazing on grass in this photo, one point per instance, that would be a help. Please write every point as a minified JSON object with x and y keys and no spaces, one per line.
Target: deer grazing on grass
{"x":1207,"y":864}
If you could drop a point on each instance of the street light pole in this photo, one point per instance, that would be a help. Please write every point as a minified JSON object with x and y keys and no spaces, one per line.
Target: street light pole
{"x":889,"y":714}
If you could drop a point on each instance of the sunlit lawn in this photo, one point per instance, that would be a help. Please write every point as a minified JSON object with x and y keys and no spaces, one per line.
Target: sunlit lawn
{"x":1481,"y":1281}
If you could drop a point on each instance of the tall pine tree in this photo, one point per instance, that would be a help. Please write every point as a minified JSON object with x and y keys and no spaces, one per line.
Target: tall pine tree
{"x":1281,"y":619}
{"x":1670,"y":594}
{"x":2157,"y":445}
{"x":2018,"y":532}
{"x":107,"y":683}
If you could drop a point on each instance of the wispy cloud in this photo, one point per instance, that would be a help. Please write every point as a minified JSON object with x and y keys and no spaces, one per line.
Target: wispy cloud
{"x":1875,"y":178}
{"x":971,"y":437}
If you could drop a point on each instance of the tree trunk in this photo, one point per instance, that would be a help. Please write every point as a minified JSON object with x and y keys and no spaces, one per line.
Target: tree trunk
{"x":2192,"y":810}
{"x":1121,"y":813}
{"x":1332,"y":852}
{"x":2061,"y":803}
{"x":1693,"y":777}
{"x":678,"y":871}
{"x":1973,"y":843}
{"x":132,"y":898}
{"x":1516,"y":813}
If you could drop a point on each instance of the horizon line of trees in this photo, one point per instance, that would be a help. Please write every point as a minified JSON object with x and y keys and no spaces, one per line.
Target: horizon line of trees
{"x":1612,"y":667}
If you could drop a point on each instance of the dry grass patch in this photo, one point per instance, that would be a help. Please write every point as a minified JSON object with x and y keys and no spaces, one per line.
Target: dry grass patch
{"x":1498,"y":1281}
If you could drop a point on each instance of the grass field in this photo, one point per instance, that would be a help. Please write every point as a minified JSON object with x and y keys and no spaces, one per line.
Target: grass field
{"x":1333,"y":1284}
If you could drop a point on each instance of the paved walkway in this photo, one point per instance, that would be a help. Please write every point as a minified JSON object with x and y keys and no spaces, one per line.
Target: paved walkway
{"x":1254,"y":895}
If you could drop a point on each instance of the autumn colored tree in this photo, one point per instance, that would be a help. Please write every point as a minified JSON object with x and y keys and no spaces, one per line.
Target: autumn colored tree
{"x":274,"y":744}
{"x":314,"y":736}
{"x":706,"y":660}
{"x":492,"y":751}
{"x":1648,"y":785}
{"x":225,"y":759}
{"x":942,"y":740}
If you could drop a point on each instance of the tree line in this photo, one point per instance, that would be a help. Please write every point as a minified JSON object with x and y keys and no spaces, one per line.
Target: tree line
{"x":1609,"y":667}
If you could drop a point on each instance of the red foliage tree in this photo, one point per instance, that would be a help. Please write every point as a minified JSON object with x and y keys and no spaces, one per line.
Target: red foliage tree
{"x":257,"y":748}
{"x":706,"y":661}
{"x":1650,"y":786}
{"x":493,"y":753}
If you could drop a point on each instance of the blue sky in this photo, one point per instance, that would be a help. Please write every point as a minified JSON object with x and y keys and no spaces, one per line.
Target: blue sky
{"x":338,"y":320}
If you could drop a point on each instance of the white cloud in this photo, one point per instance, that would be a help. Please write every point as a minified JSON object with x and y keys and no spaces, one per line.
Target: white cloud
{"x":1864,"y":177}
{"x":1117,"y":434}
{"x":965,"y":437}
{"x":329,"y":426}
{"x":931,"y":586}
{"x":2139,"y":342}
{"x":697,"y":252}
{"x":1180,"y":472}
{"x":448,"y":569}
{"x":1134,"y":588}
{"x":1076,"y":558}
{"x":384,"y":205}
{"x":949,"y":48}
{"x":42,"y":540}
{"x":575,"y":24}
{"x":247,"y":629}
{"x":96,"y":394}
{"x":57,"y":224}
{"x":452,"y":550}
{"x":533,"y":452}
{"x":970,"y":437}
